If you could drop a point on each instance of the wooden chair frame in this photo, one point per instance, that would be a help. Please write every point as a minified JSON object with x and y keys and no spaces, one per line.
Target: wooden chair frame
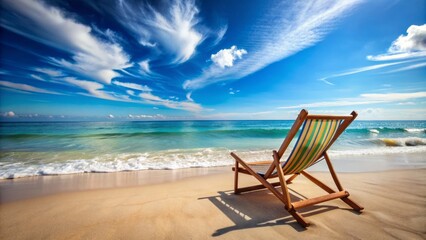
{"x":284,"y":196}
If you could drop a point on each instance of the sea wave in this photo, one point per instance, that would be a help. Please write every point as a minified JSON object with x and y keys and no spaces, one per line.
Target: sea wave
{"x":398,"y":142}
{"x":11,"y":167}
{"x":415,"y":130}
{"x":374,"y":131}
{"x":256,"y":132}
{"x":386,"y":130}
{"x":236,"y":133}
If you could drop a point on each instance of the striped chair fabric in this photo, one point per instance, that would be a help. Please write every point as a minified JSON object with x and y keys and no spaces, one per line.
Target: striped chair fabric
{"x":314,"y":138}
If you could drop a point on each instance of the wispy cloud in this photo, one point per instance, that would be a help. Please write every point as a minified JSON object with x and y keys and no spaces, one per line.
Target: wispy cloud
{"x":25,"y":87}
{"x":396,"y":56}
{"x":243,"y":115}
{"x":233,"y":91}
{"x":185,"y":105}
{"x":220,"y":34}
{"x":133,"y":86}
{"x":412,"y":45}
{"x":97,"y":59}
{"x":188,"y":96}
{"x":406,"y":103}
{"x":363,"y":99}
{"x":410,"y":67}
{"x":130,"y":92}
{"x":145,"y":116}
{"x":174,"y":30}
{"x":92,"y":56}
{"x":37,"y":77}
{"x":145,"y":66}
{"x":288,"y":29}
{"x":49,"y":72}
{"x":360,"y":70}
{"x":92,"y":89}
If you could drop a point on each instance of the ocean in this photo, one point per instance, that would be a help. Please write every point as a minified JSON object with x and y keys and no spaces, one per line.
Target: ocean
{"x":52,"y":148}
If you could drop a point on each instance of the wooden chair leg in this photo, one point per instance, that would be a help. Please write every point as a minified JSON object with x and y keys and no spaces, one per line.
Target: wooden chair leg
{"x":348,"y":201}
{"x":301,"y":220}
{"x":352,"y":204}
{"x":326,"y":188}
{"x":236,"y":178}
{"x":292,"y":178}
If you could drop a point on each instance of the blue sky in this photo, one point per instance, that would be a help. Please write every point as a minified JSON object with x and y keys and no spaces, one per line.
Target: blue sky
{"x":218,"y":59}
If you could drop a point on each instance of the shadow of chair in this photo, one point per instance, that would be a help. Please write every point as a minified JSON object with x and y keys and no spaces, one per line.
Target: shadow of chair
{"x":253,"y":213}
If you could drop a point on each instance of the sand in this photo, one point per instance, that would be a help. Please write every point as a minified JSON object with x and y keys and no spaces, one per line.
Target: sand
{"x":196,"y":205}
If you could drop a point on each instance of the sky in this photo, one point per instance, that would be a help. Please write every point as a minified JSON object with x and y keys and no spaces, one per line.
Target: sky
{"x":211,"y":59}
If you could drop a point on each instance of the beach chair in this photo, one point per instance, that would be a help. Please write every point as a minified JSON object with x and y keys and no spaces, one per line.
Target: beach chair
{"x":317,"y":135}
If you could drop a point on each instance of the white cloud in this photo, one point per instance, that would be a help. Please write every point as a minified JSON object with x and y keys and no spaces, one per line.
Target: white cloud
{"x":406,"y":103}
{"x":288,"y":29}
{"x":91,"y":56}
{"x":363,"y":99}
{"x":145,"y":116}
{"x":220,"y":34}
{"x":145,"y":66}
{"x":391,"y":114}
{"x":411,"y":67}
{"x":188,"y":96}
{"x":173,"y":30}
{"x":185,"y":105}
{"x":415,"y":40}
{"x":25,"y":87}
{"x":9,"y":114}
{"x":49,"y":72}
{"x":93,"y":88}
{"x":396,"y":56}
{"x":133,"y":86}
{"x":147,"y":44}
{"x":226,"y":57}
{"x":110,"y":116}
{"x":406,"y":46}
{"x":151,"y":97}
{"x":337,"y":103}
{"x":130,"y":92}
{"x":37,"y":77}
{"x":233,"y":91}
{"x":361,"y":69}
{"x":393,"y":96}
{"x":245,"y":115}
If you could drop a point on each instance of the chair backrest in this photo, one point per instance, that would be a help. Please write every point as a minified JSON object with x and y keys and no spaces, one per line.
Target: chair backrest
{"x":318,"y":133}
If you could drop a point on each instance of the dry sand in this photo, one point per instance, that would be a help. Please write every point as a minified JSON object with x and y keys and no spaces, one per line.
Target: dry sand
{"x":203,"y":206}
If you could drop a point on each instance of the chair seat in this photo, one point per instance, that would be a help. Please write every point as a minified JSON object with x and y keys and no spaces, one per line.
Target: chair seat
{"x":259,"y":167}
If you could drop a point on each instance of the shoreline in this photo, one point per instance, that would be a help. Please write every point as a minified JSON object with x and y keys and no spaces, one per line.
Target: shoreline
{"x":40,"y":186}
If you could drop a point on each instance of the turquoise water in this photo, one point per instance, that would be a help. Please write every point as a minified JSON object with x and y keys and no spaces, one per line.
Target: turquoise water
{"x":29,"y":149}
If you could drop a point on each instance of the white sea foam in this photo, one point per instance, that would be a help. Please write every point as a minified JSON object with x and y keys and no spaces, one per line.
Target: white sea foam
{"x":374,"y":131}
{"x":379,"y":151}
{"x":415,"y":130}
{"x":168,"y":159}
{"x":173,"y":159}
